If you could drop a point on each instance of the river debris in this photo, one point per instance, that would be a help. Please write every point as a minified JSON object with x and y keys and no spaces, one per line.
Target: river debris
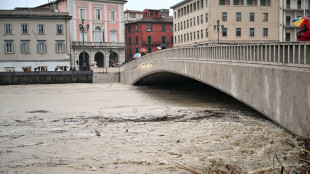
{"x":186,"y":168}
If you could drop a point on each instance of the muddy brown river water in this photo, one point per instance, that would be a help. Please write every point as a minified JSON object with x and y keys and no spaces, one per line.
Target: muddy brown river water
{"x":114,"y":128}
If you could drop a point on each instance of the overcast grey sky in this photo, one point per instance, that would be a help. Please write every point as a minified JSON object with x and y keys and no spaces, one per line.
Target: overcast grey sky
{"x":130,"y":5}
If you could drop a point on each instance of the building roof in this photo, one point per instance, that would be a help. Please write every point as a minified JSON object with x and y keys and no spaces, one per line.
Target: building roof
{"x":132,"y":11}
{"x":153,"y":20}
{"x":178,"y":4}
{"x":92,"y":0}
{"x":33,"y":14}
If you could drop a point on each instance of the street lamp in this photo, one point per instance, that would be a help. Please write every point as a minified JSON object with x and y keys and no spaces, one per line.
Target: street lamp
{"x":84,"y":30}
{"x":217,"y":30}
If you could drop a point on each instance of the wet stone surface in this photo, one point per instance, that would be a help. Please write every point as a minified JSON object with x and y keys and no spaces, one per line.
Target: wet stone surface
{"x":92,"y":128}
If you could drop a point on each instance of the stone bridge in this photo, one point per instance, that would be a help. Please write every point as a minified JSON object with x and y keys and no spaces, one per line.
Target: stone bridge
{"x":272,"y":78}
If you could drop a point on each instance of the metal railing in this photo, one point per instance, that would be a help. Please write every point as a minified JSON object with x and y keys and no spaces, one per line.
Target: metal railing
{"x":290,"y":54}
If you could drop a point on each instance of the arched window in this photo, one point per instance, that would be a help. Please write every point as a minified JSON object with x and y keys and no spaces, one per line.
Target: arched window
{"x":288,"y":4}
{"x":299,"y":4}
{"x":98,"y":36}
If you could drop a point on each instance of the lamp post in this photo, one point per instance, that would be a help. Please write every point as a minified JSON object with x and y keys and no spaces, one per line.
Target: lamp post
{"x":217,"y":30}
{"x":83,"y":30}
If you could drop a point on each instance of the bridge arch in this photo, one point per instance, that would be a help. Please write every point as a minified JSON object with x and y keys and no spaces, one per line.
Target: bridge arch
{"x":262,"y":76}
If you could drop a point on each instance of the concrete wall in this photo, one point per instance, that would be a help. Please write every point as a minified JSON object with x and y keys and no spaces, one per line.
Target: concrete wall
{"x":46,"y":77}
{"x":106,"y":75}
{"x":280,"y":91}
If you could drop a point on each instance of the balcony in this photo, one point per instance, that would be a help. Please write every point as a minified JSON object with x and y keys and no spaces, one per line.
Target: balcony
{"x":99,"y":44}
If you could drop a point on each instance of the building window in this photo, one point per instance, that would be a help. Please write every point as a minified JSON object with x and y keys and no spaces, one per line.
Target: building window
{"x":59,"y":29}
{"x":238,"y":16}
{"x":194,"y":6}
{"x":149,"y":27}
{"x":41,"y":47}
{"x":265,"y":16}
{"x":251,"y":16}
{"x":197,"y":35}
{"x":191,"y":36}
{"x":25,"y":28}
{"x":83,"y":34}
{"x":236,"y":2}
{"x":191,"y":22}
{"x":187,"y":23}
{"x":175,"y":27}
{"x":265,"y":31}
{"x":206,"y":17}
{"x":187,"y":37}
{"x":201,"y":34}
{"x":194,"y":21}
{"x":41,"y":29}
{"x":299,"y":4}
{"x":224,"y":16}
{"x":191,"y":7}
{"x":8,"y":46}
{"x":129,"y":29}
{"x":249,"y":2}
{"x":262,"y":2}
{"x":181,"y":25}
{"x":175,"y":15}
{"x":178,"y":26}
{"x":130,"y":54}
{"x":222,"y":2}
{"x":207,"y":33}
{"x":288,"y":20}
{"x":137,"y":50}
{"x":98,"y":14}
{"x":224,"y":32}
{"x":197,"y":20}
{"x":25,"y":47}
{"x":252,"y":32}
{"x":198,"y":5}
{"x":171,"y":39}
{"x":60,"y":46}
{"x":129,"y":40}
{"x":149,"y":49}
{"x":82,"y":13}
{"x":201,"y":18}
{"x":149,"y":40}
{"x":288,"y":4}
{"x":136,"y":27}
{"x":7,"y":28}
{"x":163,"y":39}
{"x":171,"y":28}
{"x":112,"y":14}
{"x":238,"y":31}
{"x":132,"y":15}
{"x":137,"y":39}
{"x":194,"y":35}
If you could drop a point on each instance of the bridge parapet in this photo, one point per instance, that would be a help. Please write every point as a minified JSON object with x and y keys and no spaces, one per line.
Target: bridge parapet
{"x":295,"y":54}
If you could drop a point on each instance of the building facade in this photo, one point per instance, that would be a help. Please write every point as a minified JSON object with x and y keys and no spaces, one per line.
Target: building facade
{"x":242,"y":20}
{"x":104,"y":40}
{"x":292,"y":9}
{"x":34,"y":40}
{"x":149,"y":32}
{"x":131,"y":15}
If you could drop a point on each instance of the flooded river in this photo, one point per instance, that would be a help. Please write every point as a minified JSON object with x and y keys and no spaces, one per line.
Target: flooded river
{"x":114,"y":128}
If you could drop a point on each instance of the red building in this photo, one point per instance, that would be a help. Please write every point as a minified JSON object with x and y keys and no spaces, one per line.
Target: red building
{"x":149,"y":32}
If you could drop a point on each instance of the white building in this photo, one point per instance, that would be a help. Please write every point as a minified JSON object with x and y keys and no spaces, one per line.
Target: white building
{"x":34,"y":40}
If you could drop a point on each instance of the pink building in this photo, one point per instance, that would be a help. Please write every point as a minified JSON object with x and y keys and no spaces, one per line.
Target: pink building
{"x":104,"y":40}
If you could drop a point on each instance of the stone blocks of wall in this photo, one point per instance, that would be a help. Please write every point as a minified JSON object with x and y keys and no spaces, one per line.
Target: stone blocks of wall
{"x":47,"y":77}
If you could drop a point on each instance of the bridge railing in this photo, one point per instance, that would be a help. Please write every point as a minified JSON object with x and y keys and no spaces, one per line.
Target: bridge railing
{"x":296,"y":54}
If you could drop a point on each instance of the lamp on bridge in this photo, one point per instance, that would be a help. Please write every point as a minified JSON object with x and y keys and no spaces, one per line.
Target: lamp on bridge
{"x":217,"y":30}
{"x":84,"y":30}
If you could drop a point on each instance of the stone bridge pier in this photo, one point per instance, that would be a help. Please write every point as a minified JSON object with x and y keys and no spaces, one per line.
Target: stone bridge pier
{"x":274,"y":79}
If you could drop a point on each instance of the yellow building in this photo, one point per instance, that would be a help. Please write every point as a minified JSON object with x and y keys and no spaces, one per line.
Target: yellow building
{"x":195,"y":21}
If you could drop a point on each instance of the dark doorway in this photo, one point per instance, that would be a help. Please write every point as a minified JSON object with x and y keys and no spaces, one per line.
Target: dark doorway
{"x":99,"y":58}
{"x":84,"y":65}
{"x":287,"y":36}
{"x":113,"y":59}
